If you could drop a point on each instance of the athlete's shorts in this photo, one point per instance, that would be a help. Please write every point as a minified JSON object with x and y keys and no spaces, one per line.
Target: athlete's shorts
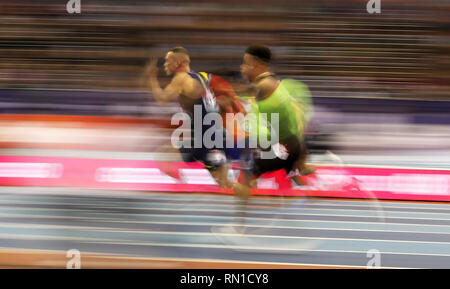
{"x":212,"y":158}
{"x":288,"y":153}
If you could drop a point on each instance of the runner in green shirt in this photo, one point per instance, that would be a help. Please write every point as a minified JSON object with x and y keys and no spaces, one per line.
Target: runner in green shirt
{"x":290,"y":101}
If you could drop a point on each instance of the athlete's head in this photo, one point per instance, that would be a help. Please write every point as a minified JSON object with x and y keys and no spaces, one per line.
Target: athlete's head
{"x":177,"y":59}
{"x":256,"y":61}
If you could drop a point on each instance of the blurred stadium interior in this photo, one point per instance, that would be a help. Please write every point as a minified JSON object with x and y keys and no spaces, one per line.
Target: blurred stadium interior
{"x":336,"y":47}
{"x":362,"y":68}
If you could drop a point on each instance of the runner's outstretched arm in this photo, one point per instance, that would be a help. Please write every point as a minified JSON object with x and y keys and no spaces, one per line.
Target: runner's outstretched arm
{"x":170,"y":92}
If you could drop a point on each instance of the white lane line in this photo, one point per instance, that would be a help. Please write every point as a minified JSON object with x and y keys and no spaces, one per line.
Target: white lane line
{"x":49,"y":238}
{"x":249,"y":248}
{"x":278,"y":226}
{"x":227,"y":220}
{"x":188,"y":197}
{"x":310,"y":207}
{"x":76,"y":193}
{"x":270,"y":237}
{"x":207,"y":246}
{"x":309,"y":228}
{"x":372,"y":213}
{"x":20,"y":204}
{"x":100,"y":204}
{"x":48,"y":226}
{"x":228,"y":199}
{"x":108,"y":219}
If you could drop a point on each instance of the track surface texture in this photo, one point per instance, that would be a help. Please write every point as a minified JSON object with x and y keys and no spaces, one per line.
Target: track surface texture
{"x":160,"y":230}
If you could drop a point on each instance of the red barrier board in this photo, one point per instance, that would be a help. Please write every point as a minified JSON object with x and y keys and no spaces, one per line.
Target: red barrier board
{"x":138,"y":175}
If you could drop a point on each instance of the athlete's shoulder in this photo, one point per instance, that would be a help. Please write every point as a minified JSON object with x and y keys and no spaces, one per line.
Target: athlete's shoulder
{"x":182,"y":79}
{"x":293,"y":83}
{"x":265,"y":87}
{"x":180,"y":76}
{"x":298,"y":90}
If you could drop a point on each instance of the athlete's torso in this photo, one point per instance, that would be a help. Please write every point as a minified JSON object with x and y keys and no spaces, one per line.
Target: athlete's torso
{"x":281,"y":104}
{"x":191,"y":94}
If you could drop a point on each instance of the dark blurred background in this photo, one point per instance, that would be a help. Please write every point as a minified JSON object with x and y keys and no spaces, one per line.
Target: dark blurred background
{"x":336,"y":47}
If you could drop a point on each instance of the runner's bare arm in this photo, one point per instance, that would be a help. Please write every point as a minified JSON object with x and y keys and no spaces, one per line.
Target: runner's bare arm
{"x":170,"y":92}
{"x":265,"y":88}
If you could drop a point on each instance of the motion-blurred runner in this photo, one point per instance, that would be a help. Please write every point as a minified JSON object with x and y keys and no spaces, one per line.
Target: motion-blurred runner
{"x":290,"y":101}
{"x":210,"y":94}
